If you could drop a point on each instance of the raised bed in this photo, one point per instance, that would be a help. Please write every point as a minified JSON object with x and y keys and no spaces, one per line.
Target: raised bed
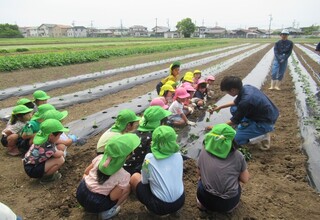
{"x":95,"y":123}
{"x":47,"y":86}
{"x":110,"y":88}
{"x":308,"y":109}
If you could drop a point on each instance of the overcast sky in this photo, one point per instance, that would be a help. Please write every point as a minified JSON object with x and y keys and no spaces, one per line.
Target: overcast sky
{"x":230,"y":14}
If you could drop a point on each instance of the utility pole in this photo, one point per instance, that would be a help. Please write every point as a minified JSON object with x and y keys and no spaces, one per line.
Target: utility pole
{"x":270,"y":19}
{"x":74,"y":34}
{"x":168,"y":23}
{"x":91,"y":28}
{"x":121,"y":27}
{"x":156,"y":27}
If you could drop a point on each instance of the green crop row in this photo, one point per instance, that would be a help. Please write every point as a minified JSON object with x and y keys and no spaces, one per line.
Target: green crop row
{"x":10,"y":63}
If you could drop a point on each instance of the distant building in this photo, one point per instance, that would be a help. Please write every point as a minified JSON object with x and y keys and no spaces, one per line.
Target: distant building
{"x":215,"y":32}
{"x":199,"y":32}
{"x":77,"y":31}
{"x":53,"y":30}
{"x":171,"y":34}
{"x":138,"y":31}
{"x":159,"y":31}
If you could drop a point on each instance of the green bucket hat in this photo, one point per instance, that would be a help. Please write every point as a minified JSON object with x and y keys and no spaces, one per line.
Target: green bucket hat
{"x":124,"y":117}
{"x":54,"y":114}
{"x":40,"y":95}
{"x":41,"y":110}
{"x":219,"y":140}
{"x":21,"y":109}
{"x":152,"y":117}
{"x":46,"y":128}
{"x":116,"y":151}
{"x":23,"y":101}
{"x":164,"y":142}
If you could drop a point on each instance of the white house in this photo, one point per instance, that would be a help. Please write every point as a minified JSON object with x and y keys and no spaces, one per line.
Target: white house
{"x":77,"y":31}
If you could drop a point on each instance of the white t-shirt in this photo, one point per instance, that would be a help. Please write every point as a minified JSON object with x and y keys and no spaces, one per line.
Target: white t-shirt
{"x":6,"y":213}
{"x":176,"y":108}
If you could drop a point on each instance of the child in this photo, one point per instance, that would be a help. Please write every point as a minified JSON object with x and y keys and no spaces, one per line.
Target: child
{"x":43,"y":159}
{"x":40,"y":97}
{"x":196,"y":76}
{"x":159,"y":102}
{"x":26,"y":102}
{"x":221,"y":168}
{"x":174,"y":70}
{"x":160,"y":185}
{"x":19,"y":117}
{"x":152,"y":118}
{"x":210,"y":89}
{"x":188,"y":107}
{"x":166,"y":94}
{"x":126,"y":121}
{"x":64,"y":141}
{"x":200,"y":96}
{"x":188,"y":77}
{"x":105,"y":184}
{"x":178,"y":117}
{"x":32,"y":127}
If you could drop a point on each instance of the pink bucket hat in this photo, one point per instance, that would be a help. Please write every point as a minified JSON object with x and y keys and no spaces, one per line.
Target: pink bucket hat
{"x":189,"y":88}
{"x":211,"y":78}
{"x":181,"y":93}
{"x":159,"y":102}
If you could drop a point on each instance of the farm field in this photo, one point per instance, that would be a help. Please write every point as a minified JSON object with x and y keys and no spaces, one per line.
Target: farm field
{"x":278,"y":188}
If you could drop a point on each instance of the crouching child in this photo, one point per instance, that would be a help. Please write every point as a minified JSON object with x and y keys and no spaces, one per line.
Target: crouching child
{"x":43,"y":159}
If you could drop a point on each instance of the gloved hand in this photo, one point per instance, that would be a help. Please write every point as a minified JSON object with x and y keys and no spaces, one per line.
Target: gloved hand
{"x":73,"y":137}
{"x":191,"y":123}
{"x":191,"y":110}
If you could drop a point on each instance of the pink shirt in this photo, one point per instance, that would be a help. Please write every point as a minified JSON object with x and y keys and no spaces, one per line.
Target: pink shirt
{"x":121,"y":178}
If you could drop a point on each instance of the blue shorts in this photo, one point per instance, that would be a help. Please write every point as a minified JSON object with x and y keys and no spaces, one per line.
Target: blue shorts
{"x":93,"y":202}
{"x":35,"y":171}
{"x":156,"y":205}
{"x":216,"y":203}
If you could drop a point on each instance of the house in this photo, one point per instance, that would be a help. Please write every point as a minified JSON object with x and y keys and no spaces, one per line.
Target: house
{"x":32,"y":32}
{"x":171,"y":34}
{"x":215,"y":32}
{"x":119,"y":31}
{"x":138,"y":31}
{"x":53,"y":30}
{"x":199,"y":32}
{"x":159,"y":31}
{"x":77,"y":31}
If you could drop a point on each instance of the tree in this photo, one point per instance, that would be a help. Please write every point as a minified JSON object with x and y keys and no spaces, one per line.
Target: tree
{"x":186,"y":27}
{"x":9,"y":31}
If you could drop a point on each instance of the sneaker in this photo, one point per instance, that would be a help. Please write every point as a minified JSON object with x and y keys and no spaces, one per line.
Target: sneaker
{"x":109,"y":213}
{"x":50,"y":178}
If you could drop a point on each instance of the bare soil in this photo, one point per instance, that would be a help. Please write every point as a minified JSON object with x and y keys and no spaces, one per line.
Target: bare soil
{"x":278,"y":188}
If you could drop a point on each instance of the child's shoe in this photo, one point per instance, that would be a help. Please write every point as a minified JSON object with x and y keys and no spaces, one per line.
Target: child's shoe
{"x":50,"y":178}
{"x":109,"y":213}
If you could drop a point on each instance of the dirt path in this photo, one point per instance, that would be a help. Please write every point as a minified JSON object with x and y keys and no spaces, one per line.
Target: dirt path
{"x":275,"y":191}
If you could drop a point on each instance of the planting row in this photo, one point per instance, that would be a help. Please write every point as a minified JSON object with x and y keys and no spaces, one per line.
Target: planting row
{"x":308,"y":103}
{"x":10,"y":63}
{"x":47,"y":86}
{"x":110,"y":88}
{"x":93,"y":124}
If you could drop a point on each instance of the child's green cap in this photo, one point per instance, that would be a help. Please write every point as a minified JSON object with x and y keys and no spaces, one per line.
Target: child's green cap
{"x":23,"y":101}
{"x":40,"y":95}
{"x":46,"y":128}
{"x":152,"y":117}
{"x":41,"y":110}
{"x":54,"y":114}
{"x":21,"y":109}
{"x":124,"y":117}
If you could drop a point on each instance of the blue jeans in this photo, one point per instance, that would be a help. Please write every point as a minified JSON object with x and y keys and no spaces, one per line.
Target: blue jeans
{"x":248,"y":129}
{"x":278,"y":69}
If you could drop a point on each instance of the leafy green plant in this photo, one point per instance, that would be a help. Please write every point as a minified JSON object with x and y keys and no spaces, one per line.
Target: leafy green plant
{"x":245,"y":151}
